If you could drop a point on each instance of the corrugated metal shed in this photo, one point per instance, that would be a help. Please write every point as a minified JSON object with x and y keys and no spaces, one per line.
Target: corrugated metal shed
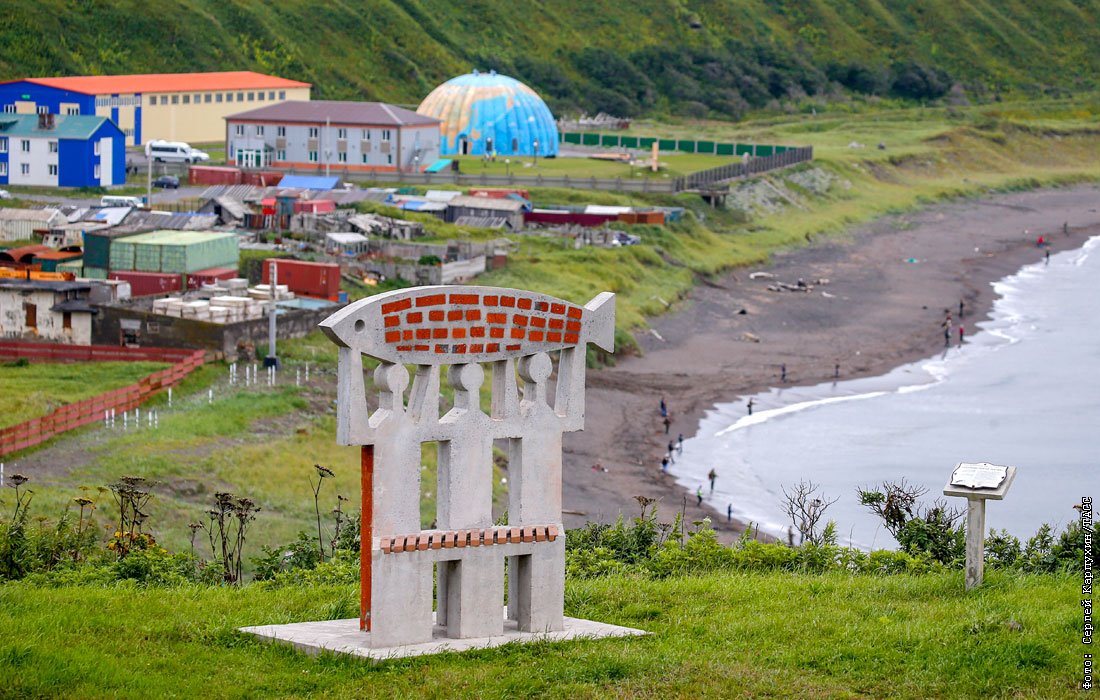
{"x":20,"y":224}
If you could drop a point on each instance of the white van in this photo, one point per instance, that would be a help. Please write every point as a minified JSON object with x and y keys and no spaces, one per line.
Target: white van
{"x":114,"y":200}
{"x":174,"y":152}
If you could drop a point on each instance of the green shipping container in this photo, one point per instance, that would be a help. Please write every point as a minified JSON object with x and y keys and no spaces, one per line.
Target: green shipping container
{"x":74,"y":266}
{"x":122,"y":254}
{"x":95,"y":273}
{"x":178,"y":252}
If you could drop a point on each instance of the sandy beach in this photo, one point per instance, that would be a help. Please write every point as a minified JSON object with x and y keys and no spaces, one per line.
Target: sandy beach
{"x":889,"y":284}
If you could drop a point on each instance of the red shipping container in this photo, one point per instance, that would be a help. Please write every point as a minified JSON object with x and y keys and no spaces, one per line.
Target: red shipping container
{"x":213,"y":175}
{"x":196,"y":280}
{"x":546,"y":216}
{"x":308,"y":279}
{"x":143,"y":284}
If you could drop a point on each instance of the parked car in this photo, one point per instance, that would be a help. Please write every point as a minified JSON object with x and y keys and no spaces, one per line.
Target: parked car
{"x":114,"y":200}
{"x":168,"y":182}
{"x":174,"y":152}
{"x":4,"y":194}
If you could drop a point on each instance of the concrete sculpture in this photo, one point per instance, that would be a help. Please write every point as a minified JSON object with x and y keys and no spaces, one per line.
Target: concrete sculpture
{"x":461,"y":328}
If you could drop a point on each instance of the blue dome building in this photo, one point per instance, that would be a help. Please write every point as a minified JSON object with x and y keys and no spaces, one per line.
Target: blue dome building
{"x":483,"y":113}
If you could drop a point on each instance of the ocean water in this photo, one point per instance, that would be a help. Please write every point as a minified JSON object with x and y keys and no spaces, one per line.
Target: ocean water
{"x":1024,"y":391}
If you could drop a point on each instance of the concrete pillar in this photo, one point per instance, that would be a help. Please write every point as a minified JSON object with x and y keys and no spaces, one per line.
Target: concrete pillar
{"x":475,"y":594}
{"x":536,"y":588}
{"x":401,"y":599}
{"x":975,"y":542}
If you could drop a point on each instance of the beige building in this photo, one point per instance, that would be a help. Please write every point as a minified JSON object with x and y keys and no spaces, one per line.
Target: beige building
{"x":187,"y":107}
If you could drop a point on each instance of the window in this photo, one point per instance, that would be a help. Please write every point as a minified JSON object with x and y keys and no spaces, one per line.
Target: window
{"x":218,"y":97}
{"x":198,"y":98}
{"x":271,"y":95}
{"x":96,"y":147}
{"x":259,"y":130}
{"x":101,"y":102}
{"x":43,"y":109}
{"x":164,"y":99}
{"x":282,"y":94}
{"x":341,"y":133}
{"x":389,"y":159}
{"x":152,"y":327}
{"x":240,"y":97}
{"x":314,"y":132}
{"x":127,"y":132}
{"x":366,"y":134}
{"x":97,"y":172}
{"x":187,"y":99}
{"x":364,"y":156}
{"x":67,"y":320}
{"x":25,"y":146}
{"x":228,"y":97}
{"x":207,"y":98}
{"x":251,"y":97}
{"x":3,"y":144}
{"x":137,"y":101}
{"x":71,"y":111}
{"x":385,"y":134}
{"x":175,"y":99}
{"x":53,"y":146}
{"x":312,"y":157}
{"x":52,"y":168}
{"x":25,"y":168}
{"x":3,"y":169}
{"x":280,"y":155}
{"x":280,"y":131}
{"x":10,"y":109}
{"x":31,"y":321}
{"x":342,"y":157}
{"x":260,"y":96}
{"x":239,"y":130}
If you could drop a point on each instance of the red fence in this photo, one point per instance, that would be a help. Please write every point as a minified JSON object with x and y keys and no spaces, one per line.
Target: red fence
{"x":74,"y":415}
{"x":54,"y":352}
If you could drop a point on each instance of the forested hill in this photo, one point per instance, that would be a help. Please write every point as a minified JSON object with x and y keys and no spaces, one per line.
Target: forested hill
{"x":695,"y":57}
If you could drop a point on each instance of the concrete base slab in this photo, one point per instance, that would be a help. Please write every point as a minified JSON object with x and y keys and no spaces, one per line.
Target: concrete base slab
{"x":344,"y":637}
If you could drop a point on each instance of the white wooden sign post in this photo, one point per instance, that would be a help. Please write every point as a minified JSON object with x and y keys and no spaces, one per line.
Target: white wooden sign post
{"x":977,"y":483}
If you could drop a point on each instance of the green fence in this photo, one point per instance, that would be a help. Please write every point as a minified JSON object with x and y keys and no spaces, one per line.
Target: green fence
{"x":757,"y":150}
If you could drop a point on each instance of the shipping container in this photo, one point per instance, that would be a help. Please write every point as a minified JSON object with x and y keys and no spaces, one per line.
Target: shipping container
{"x":196,"y":280}
{"x":75,"y":266}
{"x":213,"y":175}
{"x":49,"y":261}
{"x":175,"y":251}
{"x":559,"y":217}
{"x":97,"y":246}
{"x":148,"y":283}
{"x":309,"y":279}
{"x":95,"y":273}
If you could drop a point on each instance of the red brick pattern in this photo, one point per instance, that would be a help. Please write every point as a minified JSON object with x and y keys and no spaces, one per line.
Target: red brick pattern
{"x":452,"y":539}
{"x":521,"y":322}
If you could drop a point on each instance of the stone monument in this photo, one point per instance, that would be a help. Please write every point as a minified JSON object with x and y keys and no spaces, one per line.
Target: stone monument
{"x":978,"y":482}
{"x":463,"y":557}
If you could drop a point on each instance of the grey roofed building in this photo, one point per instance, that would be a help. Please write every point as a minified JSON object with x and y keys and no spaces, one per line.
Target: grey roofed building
{"x":511,"y":210}
{"x":320,"y":111}
{"x":325,"y":135}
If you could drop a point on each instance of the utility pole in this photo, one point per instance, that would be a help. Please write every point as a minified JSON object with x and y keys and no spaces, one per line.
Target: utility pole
{"x":272,"y":359}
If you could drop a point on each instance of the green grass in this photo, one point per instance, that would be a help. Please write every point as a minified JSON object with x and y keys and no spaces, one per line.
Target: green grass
{"x":33,"y":390}
{"x":671,"y":165}
{"x":722,"y":635}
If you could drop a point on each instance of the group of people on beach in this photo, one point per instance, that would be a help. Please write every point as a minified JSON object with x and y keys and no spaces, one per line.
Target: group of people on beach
{"x":947,"y":325}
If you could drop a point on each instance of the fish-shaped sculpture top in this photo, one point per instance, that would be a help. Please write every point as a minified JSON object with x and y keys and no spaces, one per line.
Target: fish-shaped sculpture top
{"x":460,"y":324}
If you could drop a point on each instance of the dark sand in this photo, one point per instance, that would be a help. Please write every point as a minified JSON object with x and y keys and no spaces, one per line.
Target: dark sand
{"x":883,"y":312}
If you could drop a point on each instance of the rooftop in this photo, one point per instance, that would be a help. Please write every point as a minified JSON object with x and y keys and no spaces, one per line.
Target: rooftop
{"x":66,"y":126}
{"x":166,"y":82}
{"x":322,"y":111}
{"x":45,"y":284}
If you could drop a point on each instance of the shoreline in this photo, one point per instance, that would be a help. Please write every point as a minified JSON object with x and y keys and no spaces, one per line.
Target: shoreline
{"x":889,"y":283}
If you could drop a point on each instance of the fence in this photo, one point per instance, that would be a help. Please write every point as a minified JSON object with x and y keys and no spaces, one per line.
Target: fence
{"x":81,"y":413}
{"x":640,"y":184}
{"x":53,"y":352}
{"x":756,"y":150}
{"x":705,"y":178}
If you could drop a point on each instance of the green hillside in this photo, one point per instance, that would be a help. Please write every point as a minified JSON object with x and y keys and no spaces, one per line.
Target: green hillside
{"x":693,"y":57}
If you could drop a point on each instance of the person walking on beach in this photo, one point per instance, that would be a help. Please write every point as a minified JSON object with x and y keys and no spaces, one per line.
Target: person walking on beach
{"x":750,"y":406}
{"x":947,"y":336}
{"x":836,"y":370}
{"x":729,"y":513}
{"x":962,"y":305}
{"x":671,"y":448}
{"x":783,"y":372}
{"x":664,"y":408}
{"x":712,"y":476}
{"x":664,"y":464}
{"x":1046,"y":256}
{"x":962,"y":332}
{"x":680,"y":444}
{"x":699,"y":495}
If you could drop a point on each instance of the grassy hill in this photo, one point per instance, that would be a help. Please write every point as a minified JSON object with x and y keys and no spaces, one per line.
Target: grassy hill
{"x":718,"y":57}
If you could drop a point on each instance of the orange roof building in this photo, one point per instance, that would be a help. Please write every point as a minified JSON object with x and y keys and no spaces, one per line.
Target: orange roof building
{"x":187,"y":107}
